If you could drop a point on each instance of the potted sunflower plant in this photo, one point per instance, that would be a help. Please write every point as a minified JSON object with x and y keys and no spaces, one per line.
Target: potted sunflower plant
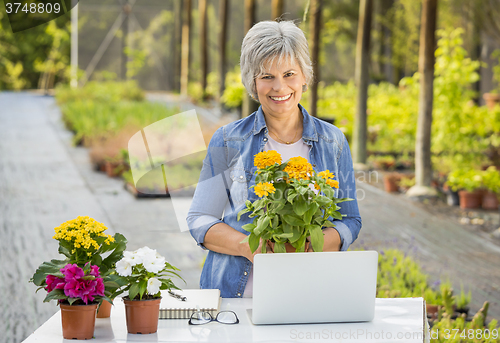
{"x":84,"y":279}
{"x":143,"y":273}
{"x":295,"y":204}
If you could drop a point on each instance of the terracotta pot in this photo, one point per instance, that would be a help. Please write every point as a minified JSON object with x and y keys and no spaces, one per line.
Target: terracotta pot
{"x":432,"y":310}
{"x":470,"y":199}
{"x":78,"y":321}
{"x":142,"y":315}
{"x":104,"y":310}
{"x":490,"y":201}
{"x":491,"y":100}
{"x":391,"y":183}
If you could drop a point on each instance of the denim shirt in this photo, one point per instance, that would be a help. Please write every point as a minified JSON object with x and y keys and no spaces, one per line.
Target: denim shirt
{"x":228,"y":174}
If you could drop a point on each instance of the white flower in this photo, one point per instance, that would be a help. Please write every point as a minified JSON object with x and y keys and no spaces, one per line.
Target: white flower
{"x":132,"y":257}
{"x":123,"y":267}
{"x":154,"y":265}
{"x":146,"y":253}
{"x":153,"y":286}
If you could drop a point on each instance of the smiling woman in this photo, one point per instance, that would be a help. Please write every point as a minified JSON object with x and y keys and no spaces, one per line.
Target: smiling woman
{"x":275,"y":69}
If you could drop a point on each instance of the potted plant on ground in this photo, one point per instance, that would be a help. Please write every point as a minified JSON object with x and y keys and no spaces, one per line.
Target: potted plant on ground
{"x":391,"y":182}
{"x":143,"y":273}
{"x":83,"y":241}
{"x":493,"y":98}
{"x":295,"y":203}
{"x":468,"y":183}
{"x":491,"y":181}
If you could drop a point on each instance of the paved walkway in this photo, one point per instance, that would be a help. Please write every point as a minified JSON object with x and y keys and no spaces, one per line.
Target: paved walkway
{"x":44,"y":181}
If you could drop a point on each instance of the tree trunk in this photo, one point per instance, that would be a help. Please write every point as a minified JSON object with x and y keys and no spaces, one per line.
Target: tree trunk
{"x":223,"y":11}
{"x":177,"y":51}
{"x":361,"y":79}
{"x":277,"y":9}
{"x":249,"y":105}
{"x":423,"y":167}
{"x":186,"y":27}
{"x":314,"y":29}
{"x":202,"y":10}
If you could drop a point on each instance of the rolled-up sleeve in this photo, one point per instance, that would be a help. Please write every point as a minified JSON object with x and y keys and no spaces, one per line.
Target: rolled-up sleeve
{"x":211,"y":194}
{"x":350,"y":225}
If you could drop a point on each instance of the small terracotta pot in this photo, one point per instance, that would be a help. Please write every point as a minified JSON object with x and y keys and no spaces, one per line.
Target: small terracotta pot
{"x":78,"y":321}
{"x":491,"y":100}
{"x":391,"y":183}
{"x":490,"y":201}
{"x":470,"y":199}
{"x":142,"y":315}
{"x":104,"y":310}
{"x":432,"y":310}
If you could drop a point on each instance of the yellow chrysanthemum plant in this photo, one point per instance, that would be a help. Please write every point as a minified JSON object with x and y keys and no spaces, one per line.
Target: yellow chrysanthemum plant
{"x":295,"y":204}
{"x":84,"y":243}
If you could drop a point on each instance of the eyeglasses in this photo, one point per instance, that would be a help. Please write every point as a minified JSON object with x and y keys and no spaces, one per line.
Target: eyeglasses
{"x":223,"y":317}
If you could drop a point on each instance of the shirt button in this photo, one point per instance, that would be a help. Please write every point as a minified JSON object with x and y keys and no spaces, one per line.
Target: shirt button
{"x":265,"y":139}
{"x":241,"y":176}
{"x":245,"y":273}
{"x":314,"y":165}
{"x":239,"y":294}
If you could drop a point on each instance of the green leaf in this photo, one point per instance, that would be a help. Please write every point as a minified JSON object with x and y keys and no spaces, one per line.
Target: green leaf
{"x":143,"y":285}
{"x":297,"y":232}
{"x":248,"y":227}
{"x":243,"y":211}
{"x":133,"y":290}
{"x":317,"y":237}
{"x":279,"y":248}
{"x":55,"y":294}
{"x":293,"y":220}
{"x":291,"y":196}
{"x":337,"y":215}
{"x":262,"y":224}
{"x":253,"y":242}
{"x":48,"y":268}
{"x":313,"y":207}
{"x":323,"y":201}
{"x":300,"y":206}
{"x":245,"y":240}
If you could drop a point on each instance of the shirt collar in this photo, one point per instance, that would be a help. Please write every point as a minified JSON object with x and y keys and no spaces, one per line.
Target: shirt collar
{"x":309,"y":132}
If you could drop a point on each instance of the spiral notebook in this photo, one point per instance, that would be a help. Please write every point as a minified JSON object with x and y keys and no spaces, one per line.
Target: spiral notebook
{"x":207,"y":300}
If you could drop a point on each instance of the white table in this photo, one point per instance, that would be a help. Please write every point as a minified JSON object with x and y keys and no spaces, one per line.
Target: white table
{"x":396,"y":320}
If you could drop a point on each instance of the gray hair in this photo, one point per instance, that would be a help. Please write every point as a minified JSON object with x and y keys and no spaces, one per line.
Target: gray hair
{"x":267,"y":41}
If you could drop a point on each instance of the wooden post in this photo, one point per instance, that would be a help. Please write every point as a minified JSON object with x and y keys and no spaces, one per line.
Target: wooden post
{"x":202,"y":10}
{"x":314,"y":29}
{"x":186,"y":27}
{"x":361,"y":78}
{"x":223,"y":11}
{"x":249,"y":105}
{"x":277,"y":9}
{"x":423,"y":167}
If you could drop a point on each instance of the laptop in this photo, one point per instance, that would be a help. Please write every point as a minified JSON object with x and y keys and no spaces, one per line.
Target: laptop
{"x":320,"y":287}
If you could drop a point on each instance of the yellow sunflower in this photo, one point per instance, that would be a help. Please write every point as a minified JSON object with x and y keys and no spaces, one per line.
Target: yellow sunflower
{"x":264,"y":188}
{"x":266,"y":158}
{"x":298,"y":168}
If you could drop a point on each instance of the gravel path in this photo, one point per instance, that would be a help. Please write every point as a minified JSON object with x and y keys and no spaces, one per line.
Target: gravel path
{"x":44,"y":181}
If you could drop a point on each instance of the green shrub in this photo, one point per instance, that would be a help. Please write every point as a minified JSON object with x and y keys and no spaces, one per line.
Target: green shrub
{"x":234,"y":91}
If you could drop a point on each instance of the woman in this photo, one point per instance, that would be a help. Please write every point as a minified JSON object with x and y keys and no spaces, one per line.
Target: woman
{"x":275,"y":69}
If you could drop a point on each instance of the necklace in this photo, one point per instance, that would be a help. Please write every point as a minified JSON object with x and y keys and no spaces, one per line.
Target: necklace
{"x":282,"y":141}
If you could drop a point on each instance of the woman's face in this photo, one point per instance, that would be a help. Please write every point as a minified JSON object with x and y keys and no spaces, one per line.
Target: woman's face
{"x":280,"y":88}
